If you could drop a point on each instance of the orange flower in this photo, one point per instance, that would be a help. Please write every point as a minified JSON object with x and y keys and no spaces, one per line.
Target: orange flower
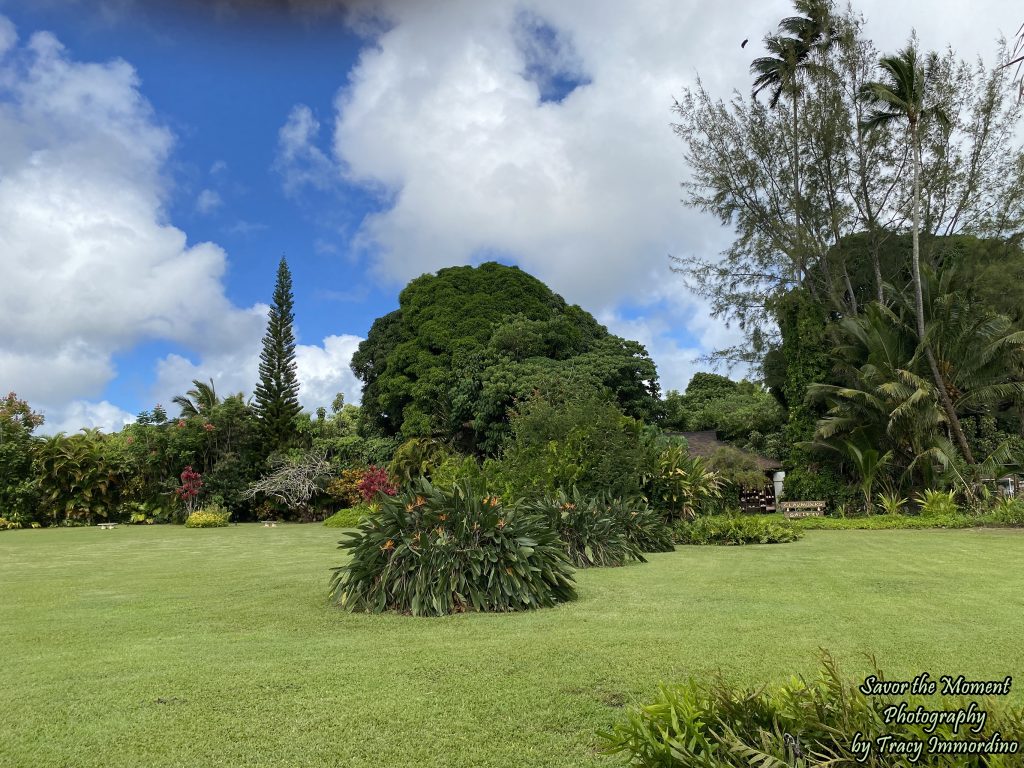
{"x":501,"y":523}
{"x":408,"y":507}
{"x":442,"y":517}
{"x":388,"y":545}
{"x":420,"y":501}
{"x":568,"y":505}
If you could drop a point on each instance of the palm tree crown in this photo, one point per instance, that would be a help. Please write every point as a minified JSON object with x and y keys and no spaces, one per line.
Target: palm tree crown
{"x":198,"y":401}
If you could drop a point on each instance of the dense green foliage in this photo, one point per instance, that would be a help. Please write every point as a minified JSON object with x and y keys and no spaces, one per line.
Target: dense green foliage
{"x":591,"y":533}
{"x":277,"y":393}
{"x":431,"y":552}
{"x":468,"y":341}
{"x":717,"y":724}
{"x":735,"y":528}
{"x":563,"y":438}
{"x":17,"y":423}
{"x":645,"y":527}
{"x":681,"y":485}
{"x":733,"y":409}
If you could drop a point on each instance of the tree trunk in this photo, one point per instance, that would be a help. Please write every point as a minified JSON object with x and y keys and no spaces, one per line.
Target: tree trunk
{"x":876,"y":265}
{"x":940,"y":384}
{"x":796,"y":169}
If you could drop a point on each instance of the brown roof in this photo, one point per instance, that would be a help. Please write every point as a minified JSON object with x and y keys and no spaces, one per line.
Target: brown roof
{"x":705,"y":443}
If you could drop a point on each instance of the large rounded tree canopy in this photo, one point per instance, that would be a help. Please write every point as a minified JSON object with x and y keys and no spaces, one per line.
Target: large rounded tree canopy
{"x":466,"y":343}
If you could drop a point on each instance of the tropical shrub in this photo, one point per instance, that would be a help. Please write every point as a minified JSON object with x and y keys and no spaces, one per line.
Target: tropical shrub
{"x":349,"y":518}
{"x":455,"y":469}
{"x":718,"y":725}
{"x":1008,"y":511}
{"x":416,"y":457}
{"x":9,"y":525}
{"x":737,"y":529}
{"x":590,"y":531}
{"x":376,"y":483}
{"x":432,"y":551}
{"x":344,"y":487}
{"x":936,"y":503}
{"x":210,"y":516}
{"x":683,"y":485}
{"x":891,"y":503}
{"x":644,"y":528}
{"x":76,"y":477}
{"x":190,"y":488}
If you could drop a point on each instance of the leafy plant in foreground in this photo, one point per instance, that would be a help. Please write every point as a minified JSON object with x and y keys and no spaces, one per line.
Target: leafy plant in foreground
{"x":719,"y":725}
{"x":431,"y":552}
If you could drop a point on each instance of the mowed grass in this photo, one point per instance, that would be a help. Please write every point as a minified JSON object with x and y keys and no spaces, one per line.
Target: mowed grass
{"x":162,"y":646}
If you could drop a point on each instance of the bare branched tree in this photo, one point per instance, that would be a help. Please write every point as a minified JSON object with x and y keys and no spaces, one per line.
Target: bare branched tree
{"x":293,"y":483}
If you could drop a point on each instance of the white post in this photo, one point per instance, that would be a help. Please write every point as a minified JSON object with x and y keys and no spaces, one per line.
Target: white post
{"x":778,"y":480}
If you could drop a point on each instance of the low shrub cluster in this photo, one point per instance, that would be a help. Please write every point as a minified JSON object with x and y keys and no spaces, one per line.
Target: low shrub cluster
{"x":432,"y":551}
{"x":349,"y":518}
{"x":210,"y":516}
{"x":737,"y":529}
{"x":1008,"y":512}
{"x":718,"y":725}
{"x":932,"y":503}
{"x":1002,"y":516}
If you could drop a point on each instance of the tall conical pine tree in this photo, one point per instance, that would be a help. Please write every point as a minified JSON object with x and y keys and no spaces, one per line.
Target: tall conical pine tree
{"x":277,"y":394}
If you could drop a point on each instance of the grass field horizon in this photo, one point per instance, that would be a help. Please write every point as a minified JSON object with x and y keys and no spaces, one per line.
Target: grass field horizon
{"x":175,"y":647}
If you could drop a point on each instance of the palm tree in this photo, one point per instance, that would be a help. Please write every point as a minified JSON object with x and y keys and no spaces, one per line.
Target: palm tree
{"x":869,"y":462}
{"x":902,"y":95}
{"x":883,"y":402}
{"x":199,"y":401}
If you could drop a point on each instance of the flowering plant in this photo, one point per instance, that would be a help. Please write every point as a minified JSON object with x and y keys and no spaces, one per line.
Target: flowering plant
{"x":191,"y":485}
{"x":376,"y":481}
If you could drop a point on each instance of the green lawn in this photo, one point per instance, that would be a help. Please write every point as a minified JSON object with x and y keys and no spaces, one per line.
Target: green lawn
{"x":161,"y":646}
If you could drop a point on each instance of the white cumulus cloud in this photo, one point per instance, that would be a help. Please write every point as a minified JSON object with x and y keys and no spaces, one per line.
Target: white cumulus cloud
{"x":91,"y":265}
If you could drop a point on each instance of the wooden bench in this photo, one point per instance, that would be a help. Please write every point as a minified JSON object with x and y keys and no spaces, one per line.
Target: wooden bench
{"x":106,"y":526}
{"x":793,"y":509}
{"x":270,"y":523}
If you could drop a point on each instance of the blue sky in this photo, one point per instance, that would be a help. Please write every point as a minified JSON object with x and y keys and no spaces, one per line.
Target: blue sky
{"x":158,"y":163}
